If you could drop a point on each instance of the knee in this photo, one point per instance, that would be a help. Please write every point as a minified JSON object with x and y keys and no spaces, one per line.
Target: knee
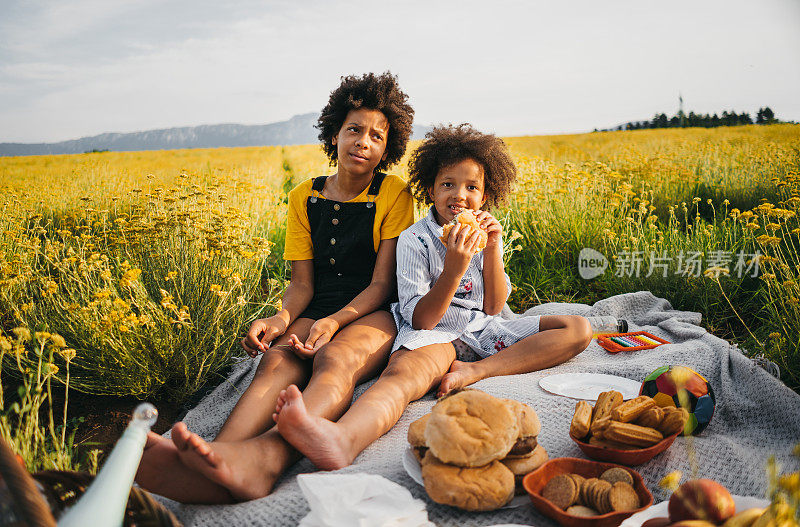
{"x":275,"y":359}
{"x":335,"y":359}
{"x":415,"y":367}
{"x":581,"y":331}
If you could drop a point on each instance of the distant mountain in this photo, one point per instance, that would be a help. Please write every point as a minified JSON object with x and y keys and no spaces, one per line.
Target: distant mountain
{"x":298,"y":130}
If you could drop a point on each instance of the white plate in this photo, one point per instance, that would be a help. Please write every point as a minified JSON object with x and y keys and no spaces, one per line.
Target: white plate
{"x":414,"y":470}
{"x":589,"y":385}
{"x":660,"y":510}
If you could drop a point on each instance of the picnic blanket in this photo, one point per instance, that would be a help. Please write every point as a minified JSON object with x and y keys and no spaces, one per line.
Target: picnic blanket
{"x":756,"y":417}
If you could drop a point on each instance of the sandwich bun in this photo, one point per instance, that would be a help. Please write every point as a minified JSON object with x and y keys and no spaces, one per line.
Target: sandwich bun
{"x":529,"y":428}
{"x":471,"y":429}
{"x":416,"y":437}
{"x":483,"y":488}
{"x":466,"y":217}
{"x":520,"y":466}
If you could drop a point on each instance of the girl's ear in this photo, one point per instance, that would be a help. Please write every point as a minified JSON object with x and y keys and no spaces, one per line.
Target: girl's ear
{"x":430,"y":193}
{"x":334,"y":140}
{"x":385,"y":155}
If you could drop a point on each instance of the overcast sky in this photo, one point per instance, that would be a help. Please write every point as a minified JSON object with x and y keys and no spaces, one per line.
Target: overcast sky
{"x":82,"y":67}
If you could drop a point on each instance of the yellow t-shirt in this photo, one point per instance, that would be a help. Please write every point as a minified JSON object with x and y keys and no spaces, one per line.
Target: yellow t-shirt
{"x":394,"y":212}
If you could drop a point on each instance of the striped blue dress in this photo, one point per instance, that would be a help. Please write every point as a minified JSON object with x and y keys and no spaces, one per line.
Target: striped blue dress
{"x":420,"y":261}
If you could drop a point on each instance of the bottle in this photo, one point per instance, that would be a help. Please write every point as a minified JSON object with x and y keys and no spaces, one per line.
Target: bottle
{"x":607,"y":324}
{"x":103,"y":504}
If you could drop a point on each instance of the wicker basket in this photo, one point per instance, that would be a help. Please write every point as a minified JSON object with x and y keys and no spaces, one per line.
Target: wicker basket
{"x":39,"y":499}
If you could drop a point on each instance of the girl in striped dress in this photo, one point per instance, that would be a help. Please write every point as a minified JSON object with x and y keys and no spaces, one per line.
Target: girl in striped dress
{"x":447,"y":292}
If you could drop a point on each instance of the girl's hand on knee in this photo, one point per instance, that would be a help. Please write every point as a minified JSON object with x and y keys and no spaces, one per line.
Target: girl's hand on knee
{"x":320,"y":334}
{"x":262,"y":332}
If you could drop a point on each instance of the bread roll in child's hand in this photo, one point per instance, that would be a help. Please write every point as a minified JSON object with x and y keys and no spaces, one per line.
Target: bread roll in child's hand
{"x":466,"y":217}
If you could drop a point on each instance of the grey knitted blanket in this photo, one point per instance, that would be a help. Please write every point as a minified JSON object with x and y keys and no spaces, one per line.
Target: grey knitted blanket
{"x":756,"y":417}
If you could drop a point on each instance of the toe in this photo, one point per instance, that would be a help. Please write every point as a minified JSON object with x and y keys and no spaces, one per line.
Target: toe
{"x":293,"y":392}
{"x":180,"y":435}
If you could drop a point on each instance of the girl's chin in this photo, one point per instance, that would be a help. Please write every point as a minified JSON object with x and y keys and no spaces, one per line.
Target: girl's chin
{"x":445,"y":218}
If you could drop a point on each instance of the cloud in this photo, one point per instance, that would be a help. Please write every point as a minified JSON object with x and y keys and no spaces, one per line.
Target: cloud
{"x":508,"y":67}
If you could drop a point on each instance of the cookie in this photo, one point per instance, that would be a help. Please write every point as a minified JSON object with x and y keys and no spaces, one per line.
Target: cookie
{"x":606,"y":402}
{"x":622,"y":497}
{"x":597,"y":495}
{"x":561,"y":490}
{"x":631,"y":434}
{"x":616,"y":474}
{"x":651,"y":417}
{"x":581,"y":420}
{"x":584,"y":496}
{"x":599,"y":426}
{"x":673,"y":421}
{"x":581,"y":511}
{"x":613,"y":445}
{"x":579,"y":481}
{"x":631,"y":410}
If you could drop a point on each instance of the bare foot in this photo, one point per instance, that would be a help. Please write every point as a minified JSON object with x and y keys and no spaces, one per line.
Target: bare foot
{"x":320,"y":440}
{"x":460,"y":375}
{"x":244,"y":468}
{"x":161,"y":471}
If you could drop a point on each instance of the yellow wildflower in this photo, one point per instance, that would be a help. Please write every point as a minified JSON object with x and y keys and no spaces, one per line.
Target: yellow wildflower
{"x":67,"y":354}
{"x":714,"y":272}
{"x":215,"y":288}
{"x":58,"y":341}
{"x":671,"y":481}
{"x":22,"y":333}
{"x":129,"y":277}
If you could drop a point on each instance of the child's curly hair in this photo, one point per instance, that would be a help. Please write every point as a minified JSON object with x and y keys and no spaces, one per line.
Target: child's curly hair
{"x":376,"y":92}
{"x":446,"y":145}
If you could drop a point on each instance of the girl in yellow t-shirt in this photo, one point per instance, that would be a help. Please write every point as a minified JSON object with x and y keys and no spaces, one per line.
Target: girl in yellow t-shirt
{"x":334,"y":329}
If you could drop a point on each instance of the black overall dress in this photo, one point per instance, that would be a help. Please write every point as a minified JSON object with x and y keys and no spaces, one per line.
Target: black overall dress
{"x":344,"y":251}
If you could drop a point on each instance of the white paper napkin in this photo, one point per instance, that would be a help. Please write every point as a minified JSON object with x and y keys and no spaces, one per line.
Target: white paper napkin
{"x":360,"y":500}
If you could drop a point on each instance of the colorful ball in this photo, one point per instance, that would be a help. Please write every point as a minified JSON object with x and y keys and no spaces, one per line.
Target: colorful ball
{"x":683,"y":387}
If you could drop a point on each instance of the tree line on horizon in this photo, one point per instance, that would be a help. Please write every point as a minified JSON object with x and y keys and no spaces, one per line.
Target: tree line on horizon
{"x":764,"y":115}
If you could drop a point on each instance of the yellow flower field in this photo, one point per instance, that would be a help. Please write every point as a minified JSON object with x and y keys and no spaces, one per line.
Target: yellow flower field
{"x":148,"y":265}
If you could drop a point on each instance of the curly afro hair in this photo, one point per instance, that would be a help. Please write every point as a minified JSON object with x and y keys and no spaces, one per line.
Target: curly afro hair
{"x":376,"y":92}
{"x":447,"y":145}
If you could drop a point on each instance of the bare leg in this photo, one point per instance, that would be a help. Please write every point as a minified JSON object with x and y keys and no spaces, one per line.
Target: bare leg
{"x":560,"y":338}
{"x":279,"y":367}
{"x":249,"y":469}
{"x":162,"y":471}
{"x":330,"y":446}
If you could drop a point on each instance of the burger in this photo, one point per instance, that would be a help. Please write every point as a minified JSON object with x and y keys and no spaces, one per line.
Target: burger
{"x":416,"y":437}
{"x":465,"y":217}
{"x":483,"y":488}
{"x":471,"y":429}
{"x":526,"y":455}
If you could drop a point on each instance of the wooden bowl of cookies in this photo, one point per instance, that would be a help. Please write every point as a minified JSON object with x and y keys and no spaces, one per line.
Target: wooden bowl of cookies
{"x":631,"y":432}
{"x":581,"y":493}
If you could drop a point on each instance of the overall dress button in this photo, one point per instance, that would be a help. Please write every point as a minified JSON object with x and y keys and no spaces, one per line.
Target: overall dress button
{"x":333,"y":262}
{"x":333,"y":241}
{"x":335,"y":221}
{"x":338,"y":274}
{"x":336,"y":206}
